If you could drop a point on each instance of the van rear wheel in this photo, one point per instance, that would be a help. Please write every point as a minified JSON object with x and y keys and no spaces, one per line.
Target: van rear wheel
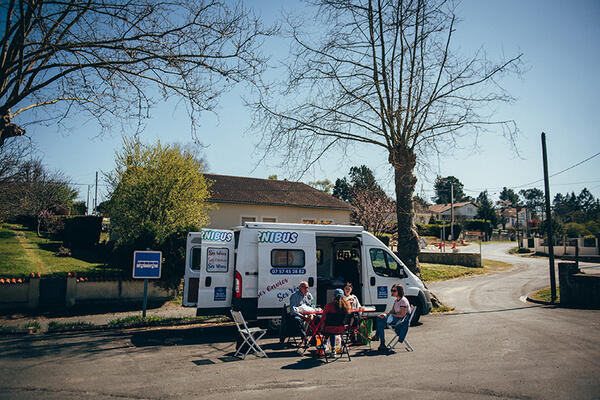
{"x":414,"y":301}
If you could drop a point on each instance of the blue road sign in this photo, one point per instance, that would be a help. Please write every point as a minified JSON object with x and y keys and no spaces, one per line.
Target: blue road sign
{"x":146,"y":264}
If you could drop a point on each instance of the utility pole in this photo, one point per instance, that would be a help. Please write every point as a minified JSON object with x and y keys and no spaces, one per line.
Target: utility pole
{"x":96,"y":196}
{"x":549,"y":221}
{"x":87,"y":203}
{"x":452,"y":211}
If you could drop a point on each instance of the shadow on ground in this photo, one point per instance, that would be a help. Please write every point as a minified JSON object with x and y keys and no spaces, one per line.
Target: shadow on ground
{"x":81,"y":310}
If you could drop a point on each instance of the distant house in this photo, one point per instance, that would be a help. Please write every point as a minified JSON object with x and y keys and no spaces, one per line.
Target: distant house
{"x":462,"y":210}
{"x":422,"y":213}
{"x":509,"y":216}
{"x":240,"y":199}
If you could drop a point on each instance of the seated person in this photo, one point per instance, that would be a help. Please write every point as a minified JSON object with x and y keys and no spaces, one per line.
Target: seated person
{"x":351,"y":298}
{"x":301,"y":297}
{"x":399,"y":310}
{"x":353,"y":302}
{"x":334,"y":315}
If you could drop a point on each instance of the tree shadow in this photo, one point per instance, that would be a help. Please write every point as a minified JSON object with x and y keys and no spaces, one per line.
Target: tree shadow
{"x":185,"y":337}
{"x":81,"y":309}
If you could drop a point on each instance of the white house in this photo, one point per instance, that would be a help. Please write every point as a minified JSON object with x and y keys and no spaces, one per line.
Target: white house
{"x":241,"y":199}
{"x":462,"y":210}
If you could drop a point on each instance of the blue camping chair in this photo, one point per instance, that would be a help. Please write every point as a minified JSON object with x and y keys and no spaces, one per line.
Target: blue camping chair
{"x":401,"y":329}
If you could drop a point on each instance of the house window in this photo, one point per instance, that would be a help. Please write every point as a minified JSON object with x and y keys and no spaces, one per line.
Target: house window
{"x":269,"y":219}
{"x":248,"y":219}
{"x":317,"y":221}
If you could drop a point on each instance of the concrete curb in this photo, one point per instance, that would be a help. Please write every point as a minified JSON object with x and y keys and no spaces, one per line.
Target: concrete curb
{"x":546,"y":303}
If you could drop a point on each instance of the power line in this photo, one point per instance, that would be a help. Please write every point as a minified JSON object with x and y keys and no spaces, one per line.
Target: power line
{"x":557,"y":173}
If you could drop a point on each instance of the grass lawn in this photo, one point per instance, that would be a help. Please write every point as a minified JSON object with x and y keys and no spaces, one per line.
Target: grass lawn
{"x":546,"y":295}
{"x":441,"y":272}
{"x":23,"y":252}
{"x":13,"y":257}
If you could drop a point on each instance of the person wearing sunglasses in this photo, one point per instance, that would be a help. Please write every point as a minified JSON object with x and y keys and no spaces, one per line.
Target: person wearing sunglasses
{"x":399,"y":310}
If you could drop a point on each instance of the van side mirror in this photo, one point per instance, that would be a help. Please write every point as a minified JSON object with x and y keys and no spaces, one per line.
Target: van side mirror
{"x":402,"y":273}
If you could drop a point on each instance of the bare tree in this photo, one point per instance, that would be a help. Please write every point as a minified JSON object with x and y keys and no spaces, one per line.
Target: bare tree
{"x":384,"y":74}
{"x":114,"y":59}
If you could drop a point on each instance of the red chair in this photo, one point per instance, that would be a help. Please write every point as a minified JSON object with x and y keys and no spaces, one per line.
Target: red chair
{"x":334,"y":324}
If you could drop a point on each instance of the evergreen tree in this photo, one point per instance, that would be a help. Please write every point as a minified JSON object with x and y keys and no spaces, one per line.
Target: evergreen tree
{"x":443,"y":187}
{"x":486,"y":209}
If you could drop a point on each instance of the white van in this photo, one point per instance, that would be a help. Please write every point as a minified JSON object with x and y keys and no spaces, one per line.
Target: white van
{"x":255,"y":268}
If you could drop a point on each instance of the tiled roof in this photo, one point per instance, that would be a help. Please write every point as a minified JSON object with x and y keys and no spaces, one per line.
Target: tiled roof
{"x":439,"y":208}
{"x":242,"y":190}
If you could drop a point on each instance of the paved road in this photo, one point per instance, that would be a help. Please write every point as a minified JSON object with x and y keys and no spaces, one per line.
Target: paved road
{"x":492,"y":346}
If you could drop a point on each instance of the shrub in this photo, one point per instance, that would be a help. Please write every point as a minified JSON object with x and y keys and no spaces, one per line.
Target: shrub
{"x":82,"y":231}
{"x":63,"y":252}
{"x":435,"y":229}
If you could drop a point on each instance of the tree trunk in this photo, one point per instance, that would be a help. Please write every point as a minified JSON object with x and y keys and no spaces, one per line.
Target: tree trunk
{"x":404,"y":161}
{"x":8,"y":129}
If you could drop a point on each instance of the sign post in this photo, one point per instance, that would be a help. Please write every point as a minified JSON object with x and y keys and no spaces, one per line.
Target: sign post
{"x":146,"y":265}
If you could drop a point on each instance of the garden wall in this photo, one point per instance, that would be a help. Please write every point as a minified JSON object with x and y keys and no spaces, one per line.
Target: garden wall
{"x":71,"y":291}
{"x":578,"y":289}
{"x":464,"y":259}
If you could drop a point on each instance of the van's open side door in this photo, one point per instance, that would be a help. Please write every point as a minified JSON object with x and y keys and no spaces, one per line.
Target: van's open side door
{"x":285,"y":258}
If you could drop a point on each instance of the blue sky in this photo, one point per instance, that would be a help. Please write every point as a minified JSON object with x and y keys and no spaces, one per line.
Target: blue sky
{"x":557,"y":94}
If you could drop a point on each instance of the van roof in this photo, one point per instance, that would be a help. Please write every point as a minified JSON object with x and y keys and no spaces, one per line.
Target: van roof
{"x":304,"y":227}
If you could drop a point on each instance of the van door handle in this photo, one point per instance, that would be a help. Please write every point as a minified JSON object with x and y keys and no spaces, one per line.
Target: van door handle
{"x":372,"y":281}
{"x":207,"y":281}
{"x":311,"y":281}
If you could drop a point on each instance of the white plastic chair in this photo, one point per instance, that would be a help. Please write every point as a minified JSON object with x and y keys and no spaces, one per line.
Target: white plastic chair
{"x":249,"y":335}
{"x":395,"y":340}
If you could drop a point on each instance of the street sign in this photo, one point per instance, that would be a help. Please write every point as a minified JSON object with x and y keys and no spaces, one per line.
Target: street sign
{"x":147,"y":264}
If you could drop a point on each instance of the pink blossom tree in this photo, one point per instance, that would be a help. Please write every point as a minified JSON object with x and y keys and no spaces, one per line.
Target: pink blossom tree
{"x":373,"y":209}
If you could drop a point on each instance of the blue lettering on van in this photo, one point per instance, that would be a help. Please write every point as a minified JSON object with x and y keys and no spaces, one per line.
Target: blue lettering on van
{"x":382,"y":292}
{"x":277,"y":237}
{"x":216,"y":236}
{"x":288,"y":271}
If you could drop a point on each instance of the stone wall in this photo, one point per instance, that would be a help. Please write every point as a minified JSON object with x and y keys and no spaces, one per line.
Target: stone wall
{"x":577,"y":289}
{"x":26,"y":294}
{"x":464,"y":259}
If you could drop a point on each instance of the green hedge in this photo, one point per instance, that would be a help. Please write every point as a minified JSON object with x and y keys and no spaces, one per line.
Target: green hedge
{"x":435,"y":229}
{"x":82,"y":231}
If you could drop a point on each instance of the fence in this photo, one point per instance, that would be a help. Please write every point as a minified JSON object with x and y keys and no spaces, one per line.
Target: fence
{"x":587,"y":247}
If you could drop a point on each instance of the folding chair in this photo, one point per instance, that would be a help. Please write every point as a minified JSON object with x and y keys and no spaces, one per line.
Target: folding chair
{"x":401,"y":329}
{"x":334,"y":325}
{"x":250,"y":336}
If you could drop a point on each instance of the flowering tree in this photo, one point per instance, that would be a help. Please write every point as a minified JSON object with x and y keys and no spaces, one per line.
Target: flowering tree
{"x":373,"y":210}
